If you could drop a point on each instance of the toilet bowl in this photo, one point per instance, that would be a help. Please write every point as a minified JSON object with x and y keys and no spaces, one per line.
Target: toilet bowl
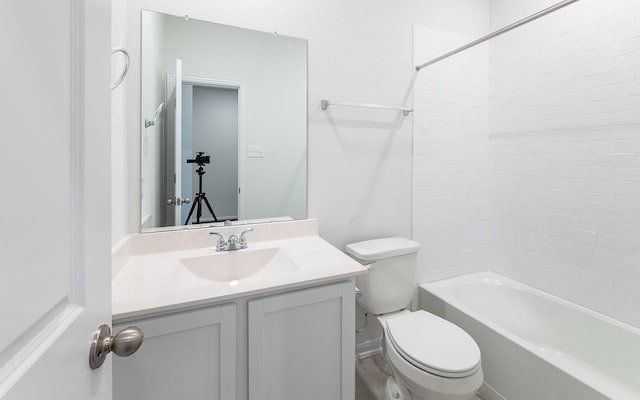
{"x":430,"y":358}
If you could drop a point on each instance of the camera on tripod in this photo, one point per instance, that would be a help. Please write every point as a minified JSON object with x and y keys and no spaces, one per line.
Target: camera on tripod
{"x":200,"y":159}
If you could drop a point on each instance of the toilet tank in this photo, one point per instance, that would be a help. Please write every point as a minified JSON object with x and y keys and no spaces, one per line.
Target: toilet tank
{"x":388,"y":285}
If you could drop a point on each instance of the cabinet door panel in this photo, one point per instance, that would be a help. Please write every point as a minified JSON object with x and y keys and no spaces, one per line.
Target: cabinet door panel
{"x":188,"y":354}
{"x":301,"y":345}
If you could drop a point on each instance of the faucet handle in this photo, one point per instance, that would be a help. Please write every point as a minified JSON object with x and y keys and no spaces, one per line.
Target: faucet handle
{"x":243,"y":240}
{"x":221,"y":242}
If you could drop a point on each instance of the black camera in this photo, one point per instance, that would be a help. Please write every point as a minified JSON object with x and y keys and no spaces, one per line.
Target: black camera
{"x":200,"y":159}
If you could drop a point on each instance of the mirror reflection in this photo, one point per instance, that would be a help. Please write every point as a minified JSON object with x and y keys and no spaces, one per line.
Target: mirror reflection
{"x":224,"y":123}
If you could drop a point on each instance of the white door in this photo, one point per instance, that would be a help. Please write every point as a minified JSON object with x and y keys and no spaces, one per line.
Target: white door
{"x":178,"y":143}
{"x":55,"y":274}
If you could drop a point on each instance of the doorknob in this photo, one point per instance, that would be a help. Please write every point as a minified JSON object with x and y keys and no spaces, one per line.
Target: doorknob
{"x":178,"y":201}
{"x":123,"y":344}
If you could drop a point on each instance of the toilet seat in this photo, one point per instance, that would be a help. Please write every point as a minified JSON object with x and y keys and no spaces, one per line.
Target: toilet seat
{"x":418,"y":381}
{"x":433,"y":344}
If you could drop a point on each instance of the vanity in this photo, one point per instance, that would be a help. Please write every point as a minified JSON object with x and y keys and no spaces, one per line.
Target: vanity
{"x":273,"y":321}
{"x":224,"y":141}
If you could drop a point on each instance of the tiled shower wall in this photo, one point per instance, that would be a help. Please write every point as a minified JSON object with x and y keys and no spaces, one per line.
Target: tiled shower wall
{"x":562,"y":183}
{"x":565,"y":155}
{"x":450,"y":164}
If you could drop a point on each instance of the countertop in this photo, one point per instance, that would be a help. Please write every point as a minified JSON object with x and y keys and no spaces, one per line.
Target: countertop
{"x":149,"y":278}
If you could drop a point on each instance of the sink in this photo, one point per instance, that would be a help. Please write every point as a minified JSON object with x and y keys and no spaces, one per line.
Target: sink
{"x":240,"y":264}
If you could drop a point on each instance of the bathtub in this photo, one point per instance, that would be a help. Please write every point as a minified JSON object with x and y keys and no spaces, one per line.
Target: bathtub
{"x":537,"y":346}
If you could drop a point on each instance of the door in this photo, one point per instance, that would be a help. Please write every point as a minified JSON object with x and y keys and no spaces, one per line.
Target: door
{"x":55,"y":274}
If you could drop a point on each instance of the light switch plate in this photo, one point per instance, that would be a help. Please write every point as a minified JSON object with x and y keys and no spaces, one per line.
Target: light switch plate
{"x":255,"y":151}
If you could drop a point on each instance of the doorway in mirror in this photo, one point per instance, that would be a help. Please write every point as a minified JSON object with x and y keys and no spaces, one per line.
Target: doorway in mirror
{"x":210,"y":113}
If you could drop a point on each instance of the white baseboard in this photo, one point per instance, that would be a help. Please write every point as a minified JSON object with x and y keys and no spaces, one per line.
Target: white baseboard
{"x":368,"y":348}
{"x":486,"y":392}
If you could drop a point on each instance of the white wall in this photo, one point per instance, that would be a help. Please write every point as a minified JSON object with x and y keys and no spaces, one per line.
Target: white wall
{"x":359,"y":160}
{"x":565,"y":149}
{"x":506,"y":12}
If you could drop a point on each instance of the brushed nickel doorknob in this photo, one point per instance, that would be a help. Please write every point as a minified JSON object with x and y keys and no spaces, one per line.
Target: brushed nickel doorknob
{"x":176,"y":201}
{"x":123,"y":344}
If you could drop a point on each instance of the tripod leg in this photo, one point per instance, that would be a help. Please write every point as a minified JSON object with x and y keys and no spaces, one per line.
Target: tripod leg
{"x":209,"y":207}
{"x":193,"y":206}
{"x":199,"y":212}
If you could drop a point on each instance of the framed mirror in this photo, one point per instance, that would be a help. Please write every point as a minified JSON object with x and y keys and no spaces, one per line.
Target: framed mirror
{"x":224,"y":124}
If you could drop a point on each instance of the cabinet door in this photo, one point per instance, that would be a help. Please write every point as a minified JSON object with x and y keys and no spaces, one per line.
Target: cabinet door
{"x":189,"y":355}
{"x":302,"y":345}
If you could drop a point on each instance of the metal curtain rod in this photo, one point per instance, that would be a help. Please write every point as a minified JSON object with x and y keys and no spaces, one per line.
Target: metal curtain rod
{"x":324,"y":104}
{"x":499,"y":32}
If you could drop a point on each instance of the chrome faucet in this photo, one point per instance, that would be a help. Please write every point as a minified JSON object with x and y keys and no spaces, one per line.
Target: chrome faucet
{"x":233,"y":243}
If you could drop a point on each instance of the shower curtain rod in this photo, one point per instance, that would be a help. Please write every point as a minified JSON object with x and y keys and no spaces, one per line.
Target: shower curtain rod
{"x":499,"y":32}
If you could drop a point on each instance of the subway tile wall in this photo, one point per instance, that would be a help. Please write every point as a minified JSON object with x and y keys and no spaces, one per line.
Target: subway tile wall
{"x":450,"y":166}
{"x":544,"y":186}
{"x":565,"y":155}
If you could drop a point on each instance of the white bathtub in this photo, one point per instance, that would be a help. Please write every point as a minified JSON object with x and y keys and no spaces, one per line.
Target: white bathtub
{"x":537,"y":346}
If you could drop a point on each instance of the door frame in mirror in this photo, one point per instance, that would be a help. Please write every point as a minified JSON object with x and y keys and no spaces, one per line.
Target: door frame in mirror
{"x":241,"y":88}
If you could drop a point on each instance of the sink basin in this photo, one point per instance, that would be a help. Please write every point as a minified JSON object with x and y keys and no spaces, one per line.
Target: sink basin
{"x":241,"y":264}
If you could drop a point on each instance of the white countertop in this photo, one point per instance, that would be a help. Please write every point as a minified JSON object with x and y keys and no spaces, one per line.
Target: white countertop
{"x":149,"y":277}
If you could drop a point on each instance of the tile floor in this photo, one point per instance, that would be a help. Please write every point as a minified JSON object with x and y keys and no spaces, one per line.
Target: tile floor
{"x":371,"y":378}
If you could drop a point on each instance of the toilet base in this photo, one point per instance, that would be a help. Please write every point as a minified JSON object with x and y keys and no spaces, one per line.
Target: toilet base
{"x":393,"y":390}
{"x":410,"y":383}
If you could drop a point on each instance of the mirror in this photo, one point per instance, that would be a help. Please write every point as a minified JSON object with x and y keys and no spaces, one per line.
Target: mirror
{"x":224,"y":124}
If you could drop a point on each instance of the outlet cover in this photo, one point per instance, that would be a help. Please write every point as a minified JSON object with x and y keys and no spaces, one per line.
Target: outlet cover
{"x":255,"y":151}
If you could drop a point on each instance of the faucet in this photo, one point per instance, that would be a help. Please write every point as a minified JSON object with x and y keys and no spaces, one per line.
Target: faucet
{"x":233,"y":243}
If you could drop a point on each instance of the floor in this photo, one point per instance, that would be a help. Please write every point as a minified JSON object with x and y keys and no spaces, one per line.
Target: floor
{"x":371,"y":378}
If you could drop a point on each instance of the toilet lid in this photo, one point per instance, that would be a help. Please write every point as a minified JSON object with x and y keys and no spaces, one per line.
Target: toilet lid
{"x":377,"y":249}
{"x":434,"y":344}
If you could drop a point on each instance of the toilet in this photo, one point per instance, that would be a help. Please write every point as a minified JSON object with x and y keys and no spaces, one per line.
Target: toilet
{"x":430,"y":358}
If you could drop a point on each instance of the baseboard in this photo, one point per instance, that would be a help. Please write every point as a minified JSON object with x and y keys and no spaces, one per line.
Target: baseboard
{"x":368,"y":348}
{"x":486,"y":392}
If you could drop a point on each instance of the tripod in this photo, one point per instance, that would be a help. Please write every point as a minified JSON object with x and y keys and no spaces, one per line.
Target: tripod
{"x":197,"y":201}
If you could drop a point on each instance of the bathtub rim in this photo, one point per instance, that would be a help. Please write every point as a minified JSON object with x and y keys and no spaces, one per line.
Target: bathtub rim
{"x":442,"y":289}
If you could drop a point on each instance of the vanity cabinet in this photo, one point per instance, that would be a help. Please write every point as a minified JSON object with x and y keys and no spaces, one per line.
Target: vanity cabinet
{"x":189,"y":355}
{"x":292,"y":345}
{"x":302,"y":344}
